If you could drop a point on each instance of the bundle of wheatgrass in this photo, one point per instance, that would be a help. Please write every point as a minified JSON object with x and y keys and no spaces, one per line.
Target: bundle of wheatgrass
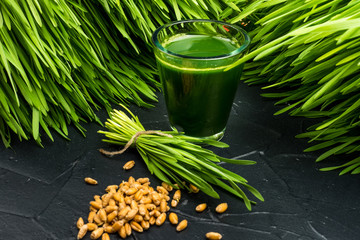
{"x":62,"y":60}
{"x":310,"y":52}
{"x":176,"y":158}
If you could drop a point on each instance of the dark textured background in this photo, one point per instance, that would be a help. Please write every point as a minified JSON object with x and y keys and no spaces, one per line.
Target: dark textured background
{"x":43,"y":192}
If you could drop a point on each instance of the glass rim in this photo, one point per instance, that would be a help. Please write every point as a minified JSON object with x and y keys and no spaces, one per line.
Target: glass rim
{"x":157,"y":44}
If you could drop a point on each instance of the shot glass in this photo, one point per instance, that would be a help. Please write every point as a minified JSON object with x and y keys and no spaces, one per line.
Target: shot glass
{"x":192,"y":58}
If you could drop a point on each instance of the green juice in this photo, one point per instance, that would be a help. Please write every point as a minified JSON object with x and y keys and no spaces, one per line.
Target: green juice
{"x":199,"y":98}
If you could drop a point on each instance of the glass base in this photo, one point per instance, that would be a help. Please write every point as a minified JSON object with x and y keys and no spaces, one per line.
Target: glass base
{"x":217,"y":136}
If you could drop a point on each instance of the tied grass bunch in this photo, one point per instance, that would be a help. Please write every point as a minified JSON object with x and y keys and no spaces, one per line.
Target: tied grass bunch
{"x":175,"y":158}
{"x":310,"y":52}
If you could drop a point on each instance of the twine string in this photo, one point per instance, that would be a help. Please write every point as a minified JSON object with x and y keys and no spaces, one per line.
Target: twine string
{"x":133,"y":141}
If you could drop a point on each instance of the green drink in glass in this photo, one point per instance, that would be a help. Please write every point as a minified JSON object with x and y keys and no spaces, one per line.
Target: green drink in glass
{"x":192,"y":56}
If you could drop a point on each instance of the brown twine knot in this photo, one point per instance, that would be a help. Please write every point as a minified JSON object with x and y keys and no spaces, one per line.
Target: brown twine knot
{"x":133,"y":141}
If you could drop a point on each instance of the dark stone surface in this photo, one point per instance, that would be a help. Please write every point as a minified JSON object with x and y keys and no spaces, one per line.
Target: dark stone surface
{"x":43,"y":192}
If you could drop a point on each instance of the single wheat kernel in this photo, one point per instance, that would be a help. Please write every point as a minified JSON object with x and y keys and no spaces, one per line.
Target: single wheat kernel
{"x":131,"y":180}
{"x":177,"y":195}
{"x":122,"y":232}
{"x":138,"y":195}
{"x":96,"y":234}
{"x":111,"y":216}
{"x":128,"y":229}
{"x":98,"y":200}
{"x":106,"y":198}
{"x":80,"y":222}
{"x":222,"y":207}
{"x":111,"y":188}
{"x":161,"y":219}
{"x":143,"y":180}
{"x":168,"y":187}
{"x":142,"y":209}
{"x":109,"y":229}
{"x":131,"y":214}
{"x":129,"y":165}
{"x":182,"y":225}
{"x":163,"y":205}
{"x":91,"y":226}
{"x":117,"y":196}
{"x":124,"y":212}
{"x":134,"y":205}
{"x":138,"y":218}
{"x":162,"y":190}
{"x":117,"y":225}
{"x":136,"y":226}
{"x":91,"y":181}
{"x":194,"y":189}
{"x":174,"y":203}
{"x":97,"y":219}
{"x":105,"y":236}
{"x":145,"y":225}
{"x":131,"y":191}
{"x":102,"y":215}
{"x":173,"y":218}
{"x":152,"y":220}
{"x":213,"y":236}
{"x":82,"y":231}
{"x":96,"y":205}
{"x":201,"y":207}
{"x":155,"y":198}
{"x":111,"y":208}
